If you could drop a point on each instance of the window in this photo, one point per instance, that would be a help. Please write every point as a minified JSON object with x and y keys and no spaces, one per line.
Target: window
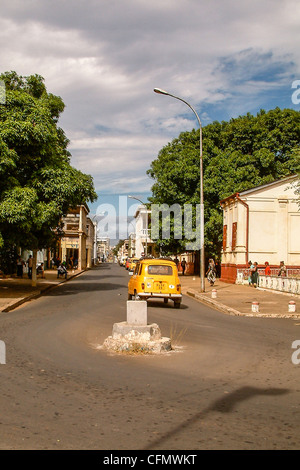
{"x":136,"y":271}
{"x":224,"y":237}
{"x":234,"y":227}
{"x":160,"y":269}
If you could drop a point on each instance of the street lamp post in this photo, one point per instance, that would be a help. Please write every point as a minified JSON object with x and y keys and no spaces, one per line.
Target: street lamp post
{"x":95,"y":237}
{"x":202,"y":255}
{"x":133,"y":197}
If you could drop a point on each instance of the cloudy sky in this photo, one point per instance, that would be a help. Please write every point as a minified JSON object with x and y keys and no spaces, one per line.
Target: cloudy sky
{"x":104,"y":57}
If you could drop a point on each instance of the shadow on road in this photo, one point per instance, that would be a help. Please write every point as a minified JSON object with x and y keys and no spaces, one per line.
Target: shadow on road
{"x":101,"y":278}
{"x":158,"y":303}
{"x":222,"y":405}
{"x":79,"y":287}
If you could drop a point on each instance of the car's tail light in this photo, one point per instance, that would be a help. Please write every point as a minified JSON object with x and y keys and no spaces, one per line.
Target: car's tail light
{"x":143,"y":286}
{"x":178,"y":287}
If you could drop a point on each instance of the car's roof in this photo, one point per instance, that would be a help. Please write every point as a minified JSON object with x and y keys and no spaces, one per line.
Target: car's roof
{"x":157,"y":260}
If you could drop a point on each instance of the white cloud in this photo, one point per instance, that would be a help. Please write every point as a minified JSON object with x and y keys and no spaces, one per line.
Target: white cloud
{"x":105,"y":57}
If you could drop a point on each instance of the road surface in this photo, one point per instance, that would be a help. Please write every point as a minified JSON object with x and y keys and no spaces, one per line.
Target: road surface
{"x":229,"y":382}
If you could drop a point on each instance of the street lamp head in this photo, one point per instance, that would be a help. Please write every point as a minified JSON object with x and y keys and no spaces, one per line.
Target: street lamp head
{"x":137,"y":199}
{"x":160,"y":91}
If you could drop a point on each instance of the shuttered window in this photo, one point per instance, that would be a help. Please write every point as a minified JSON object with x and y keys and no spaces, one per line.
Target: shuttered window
{"x":224,"y":237}
{"x":234,"y":227}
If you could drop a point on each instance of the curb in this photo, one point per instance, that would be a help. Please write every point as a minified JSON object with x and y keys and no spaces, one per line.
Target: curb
{"x":38,"y":293}
{"x":213,"y":303}
{"x":231,"y":311}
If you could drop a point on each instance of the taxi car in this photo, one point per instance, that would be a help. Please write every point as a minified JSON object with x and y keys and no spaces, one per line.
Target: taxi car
{"x":127,"y":262}
{"x":155,"y":278}
{"x":132,"y":264}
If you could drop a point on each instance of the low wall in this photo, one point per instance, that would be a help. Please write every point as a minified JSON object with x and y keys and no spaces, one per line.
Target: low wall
{"x":282,"y":284}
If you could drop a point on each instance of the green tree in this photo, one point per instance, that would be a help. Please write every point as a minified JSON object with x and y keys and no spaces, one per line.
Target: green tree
{"x":38,"y":184}
{"x":117,"y":247}
{"x":237,"y":155}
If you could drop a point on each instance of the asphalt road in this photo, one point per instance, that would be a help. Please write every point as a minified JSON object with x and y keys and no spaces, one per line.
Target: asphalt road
{"x":229,"y":382}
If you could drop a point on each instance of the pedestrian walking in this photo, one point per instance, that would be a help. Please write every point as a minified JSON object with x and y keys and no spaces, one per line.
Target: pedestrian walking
{"x":211,"y":272}
{"x":30,"y":264}
{"x":183,"y":266}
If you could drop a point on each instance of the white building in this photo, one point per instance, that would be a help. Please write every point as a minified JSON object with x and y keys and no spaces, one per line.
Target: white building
{"x":261,"y":224}
{"x":143,"y":243}
{"x":103,"y":248}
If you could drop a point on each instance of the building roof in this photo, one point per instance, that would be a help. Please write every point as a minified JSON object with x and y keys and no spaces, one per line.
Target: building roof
{"x":288,"y":179}
{"x":268,"y":185}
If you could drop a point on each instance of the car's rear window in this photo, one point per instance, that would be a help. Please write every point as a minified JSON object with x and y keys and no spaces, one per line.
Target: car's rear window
{"x":137,"y":269}
{"x":160,"y":269}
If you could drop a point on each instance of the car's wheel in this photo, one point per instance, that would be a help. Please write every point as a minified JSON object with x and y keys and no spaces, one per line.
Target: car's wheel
{"x":165,"y":300}
{"x":129,"y":296}
{"x":177,"y":304}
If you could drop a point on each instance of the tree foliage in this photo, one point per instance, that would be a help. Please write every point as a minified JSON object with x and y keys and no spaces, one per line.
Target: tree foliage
{"x":237,"y":155}
{"x":38,"y":184}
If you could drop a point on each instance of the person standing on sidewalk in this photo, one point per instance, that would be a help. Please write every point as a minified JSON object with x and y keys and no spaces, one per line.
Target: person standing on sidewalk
{"x":20,"y":264}
{"x":250,"y":267}
{"x":30,"y":264}
{"x":267,"y":269}
{"x":254,"y":275}
{"x":183,"y":266}
{"x":282,"y":269}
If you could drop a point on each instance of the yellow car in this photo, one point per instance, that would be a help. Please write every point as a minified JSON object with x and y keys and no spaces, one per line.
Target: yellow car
{"x":132,"y":264}
{"x":155,"y":277}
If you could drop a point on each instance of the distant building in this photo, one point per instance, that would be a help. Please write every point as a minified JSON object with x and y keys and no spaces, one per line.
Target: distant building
{"x":79,"y":238}
{"x":103,"y":248}
{"x":261,"y":224}
{"x":123,"y":251}
{"x":131,"y":245}
{"x":143,"y":243}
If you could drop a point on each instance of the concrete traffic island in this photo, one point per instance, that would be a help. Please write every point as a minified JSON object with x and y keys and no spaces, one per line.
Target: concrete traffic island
{"x":135,"y":335}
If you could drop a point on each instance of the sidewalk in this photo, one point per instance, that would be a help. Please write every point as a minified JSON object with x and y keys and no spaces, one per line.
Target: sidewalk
{"x":232,"y":299}
{"x":15,"y":291}
{"x":237,"y":299}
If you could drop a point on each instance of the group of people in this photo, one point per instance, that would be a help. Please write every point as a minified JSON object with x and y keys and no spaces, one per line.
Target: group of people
{"x":212,"y":272}
{"x":253,"y":274}
{"x":72,"y":263}
{"x":21,"y":264}
{"x":182,"y":264}
{"x":253,"y":277}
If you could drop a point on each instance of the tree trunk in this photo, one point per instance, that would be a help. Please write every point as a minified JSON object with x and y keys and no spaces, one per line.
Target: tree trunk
{"x":34,"y":257}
